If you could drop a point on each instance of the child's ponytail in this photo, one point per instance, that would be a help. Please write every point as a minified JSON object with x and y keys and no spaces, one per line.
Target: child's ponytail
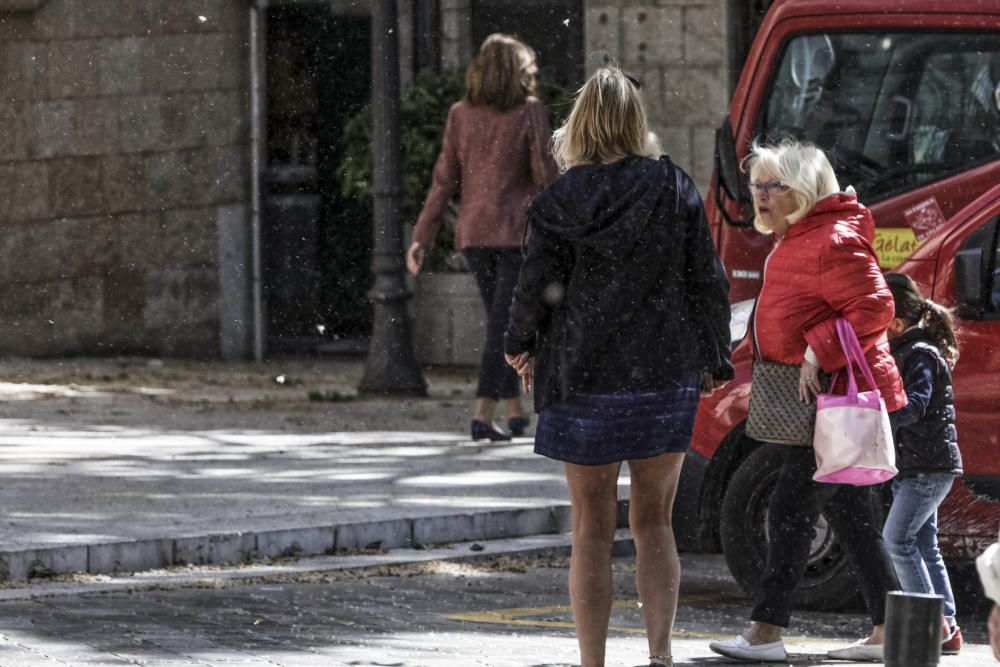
{"x":940,"y":326}
{"x":914,"y":309}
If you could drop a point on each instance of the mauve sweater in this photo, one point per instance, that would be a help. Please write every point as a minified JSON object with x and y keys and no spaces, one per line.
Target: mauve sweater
{"x":498,"y":160}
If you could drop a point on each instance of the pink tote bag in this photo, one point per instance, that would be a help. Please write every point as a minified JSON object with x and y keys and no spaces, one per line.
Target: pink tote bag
{"x":853,"y":439}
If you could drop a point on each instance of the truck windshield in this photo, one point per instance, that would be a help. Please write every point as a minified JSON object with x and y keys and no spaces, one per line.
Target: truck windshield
{"x":893,"y":111}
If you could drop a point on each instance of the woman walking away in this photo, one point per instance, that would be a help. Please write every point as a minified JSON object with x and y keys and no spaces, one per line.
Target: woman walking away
{"x":620,"y":319}
{"x":923,"y":342}
{"x":822,"y":267}
{"x":495,"y":154}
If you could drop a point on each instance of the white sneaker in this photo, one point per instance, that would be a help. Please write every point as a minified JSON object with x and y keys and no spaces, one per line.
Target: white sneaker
{"x":859,"y":650}
{"x":740,"y":649}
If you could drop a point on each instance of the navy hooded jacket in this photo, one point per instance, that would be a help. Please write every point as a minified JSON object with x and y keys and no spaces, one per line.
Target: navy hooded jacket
{"x":621,"y":287}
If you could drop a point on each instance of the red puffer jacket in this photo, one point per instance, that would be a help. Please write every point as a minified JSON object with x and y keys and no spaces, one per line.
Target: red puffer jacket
{"x":825,"y":268}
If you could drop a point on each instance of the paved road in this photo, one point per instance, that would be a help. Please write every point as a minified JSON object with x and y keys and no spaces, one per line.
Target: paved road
{"x":504,"y":612}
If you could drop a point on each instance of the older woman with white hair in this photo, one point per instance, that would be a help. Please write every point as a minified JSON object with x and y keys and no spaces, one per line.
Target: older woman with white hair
{"x":822,"y":267}
{"x":622,"y":300}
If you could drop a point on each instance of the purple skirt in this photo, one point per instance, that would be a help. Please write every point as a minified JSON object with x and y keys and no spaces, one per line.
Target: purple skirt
{"x":597,"y":429}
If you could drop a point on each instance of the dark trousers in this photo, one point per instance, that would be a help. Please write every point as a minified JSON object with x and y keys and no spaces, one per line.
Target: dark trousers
{"x":795,"y":505}
{"x":496,"y":271}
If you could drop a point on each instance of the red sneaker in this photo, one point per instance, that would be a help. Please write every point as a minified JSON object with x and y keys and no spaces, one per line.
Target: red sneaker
{"x":953,"y":643}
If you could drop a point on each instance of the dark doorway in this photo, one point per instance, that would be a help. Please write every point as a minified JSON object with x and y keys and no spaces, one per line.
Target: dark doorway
{"x":745,"y":17}
{"x":316,"y":243}
{"x":554,"y":28}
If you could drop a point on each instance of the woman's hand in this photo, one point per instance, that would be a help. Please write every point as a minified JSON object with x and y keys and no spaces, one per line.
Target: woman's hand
{"x":808,"y":382}
{"x":709,"y":384}
{"x":524,"y":364}
{"x":415,"y":258}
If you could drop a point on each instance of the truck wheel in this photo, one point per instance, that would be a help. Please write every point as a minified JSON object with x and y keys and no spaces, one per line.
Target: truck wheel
{"x":828,"y":583}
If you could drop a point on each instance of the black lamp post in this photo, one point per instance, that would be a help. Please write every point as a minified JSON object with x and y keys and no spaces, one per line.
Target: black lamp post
{"x":391,"y":367}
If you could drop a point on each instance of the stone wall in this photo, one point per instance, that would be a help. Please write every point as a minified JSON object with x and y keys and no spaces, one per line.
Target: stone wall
{"x":677,"y":48}
{"x":123,"y":153}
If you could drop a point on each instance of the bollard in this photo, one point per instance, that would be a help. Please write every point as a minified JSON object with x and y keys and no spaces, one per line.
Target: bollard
{"x":912,"y":629}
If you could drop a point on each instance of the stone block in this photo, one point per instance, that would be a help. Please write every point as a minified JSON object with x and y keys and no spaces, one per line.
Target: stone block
{"x":651,"y":81}
{"x":76,"y":186}
{"x":196,"y":16}
{"x":136,"y":238}
{"x":19,"y":565}
{"x":217,"y":549}
{"x":68,"y":19}
{"x":196,"y":177}
{"x":176,"y":299}
{"x":705,"y":35}
{"x":122,"y":179}
{"x":210,"y":118}
{"x":384,"y":534}
{"x":73,"y":68}
{"x":15,"y":137}
{"x":129,"y":556}
{"x":602,"y":25}
{"x":118,"y":70}
{"x":52,"y":317}
{"x":703,"y":149}
{"x":209,"y":61}
{"x":140,"y":124}
{"x":76,"y":127}
{"x":295,"y":542}
{"x":17,"y":27}
{"x":189,"y":237}
{"x":235,"y":310}
{"x":25,"y":191}
{"x":449,"y":319}
{"x":652,"y":35}
{"x":110,"y":18}
{"x":676,"y":142}
{"x":23,"y":67}
{"x":694,"y":95}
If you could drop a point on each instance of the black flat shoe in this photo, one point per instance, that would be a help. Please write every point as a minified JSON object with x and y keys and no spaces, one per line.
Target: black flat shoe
{"x":484,"y":431}
{"x":518,"y":425}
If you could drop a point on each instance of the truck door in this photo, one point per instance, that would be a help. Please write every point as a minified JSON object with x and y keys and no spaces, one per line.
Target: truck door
{"x":968,"y":278}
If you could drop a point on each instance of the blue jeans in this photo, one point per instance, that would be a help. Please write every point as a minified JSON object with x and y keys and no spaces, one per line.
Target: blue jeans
{"x":911,"y":535}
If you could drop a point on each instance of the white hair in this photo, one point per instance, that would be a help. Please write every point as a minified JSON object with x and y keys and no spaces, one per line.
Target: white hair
{"x":803,"y":167}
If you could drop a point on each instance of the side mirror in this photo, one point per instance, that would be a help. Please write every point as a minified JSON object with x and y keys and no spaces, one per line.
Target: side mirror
{"x":969,"y":282}
{"x":974,"y":272}
{"x":727,"y":174}
{"x":726,"y":163}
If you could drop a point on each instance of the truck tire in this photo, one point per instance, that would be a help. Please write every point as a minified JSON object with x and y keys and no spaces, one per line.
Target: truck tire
{"x":828,"y":583}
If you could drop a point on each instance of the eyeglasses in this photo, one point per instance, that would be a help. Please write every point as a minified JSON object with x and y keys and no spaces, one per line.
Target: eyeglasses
{"x":769,"y":188}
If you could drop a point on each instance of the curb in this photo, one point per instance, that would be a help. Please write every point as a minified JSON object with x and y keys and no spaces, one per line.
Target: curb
{"x":250,"y":546}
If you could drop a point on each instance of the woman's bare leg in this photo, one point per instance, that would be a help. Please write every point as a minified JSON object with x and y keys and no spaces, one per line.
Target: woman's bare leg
{"x":657,"y":566}
{"x":593,"y":491}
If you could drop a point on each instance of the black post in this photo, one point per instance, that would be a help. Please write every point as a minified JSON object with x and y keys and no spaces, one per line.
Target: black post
{"x":391,"y":367}
{"x":912,"y":629}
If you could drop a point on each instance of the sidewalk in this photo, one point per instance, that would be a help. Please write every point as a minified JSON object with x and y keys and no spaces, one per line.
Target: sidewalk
{"x":126,"y":465}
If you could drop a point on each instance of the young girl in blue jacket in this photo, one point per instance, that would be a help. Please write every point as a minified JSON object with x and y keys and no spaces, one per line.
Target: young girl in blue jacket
{"x":922,"y":340}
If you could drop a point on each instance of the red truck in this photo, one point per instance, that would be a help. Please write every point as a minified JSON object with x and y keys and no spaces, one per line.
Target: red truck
{"x":904,"y":97}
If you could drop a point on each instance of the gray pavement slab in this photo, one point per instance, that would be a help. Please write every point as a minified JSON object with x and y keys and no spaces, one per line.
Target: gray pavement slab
{"x":128,"y":465}
{"x":504,"y":611}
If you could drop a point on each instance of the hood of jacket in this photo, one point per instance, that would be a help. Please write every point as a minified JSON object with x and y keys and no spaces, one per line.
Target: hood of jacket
{"x":605,"y":207}
{"x":842,"y":208}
